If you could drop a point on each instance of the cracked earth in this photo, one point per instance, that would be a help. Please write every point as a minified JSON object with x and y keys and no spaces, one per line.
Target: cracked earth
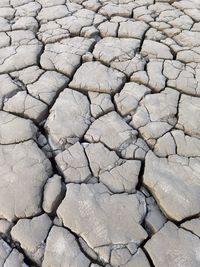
{"x":99,"y":133}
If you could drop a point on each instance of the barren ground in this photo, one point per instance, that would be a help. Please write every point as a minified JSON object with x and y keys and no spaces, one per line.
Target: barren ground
{"x":99,"y":133}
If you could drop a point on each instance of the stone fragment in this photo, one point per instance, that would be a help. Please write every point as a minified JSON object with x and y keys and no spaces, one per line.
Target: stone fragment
{"x":53,"y":194}
{"x":175,"y":184}
{"x":155,"y":35}
{"x":26,"y":23}
{"x":27,"y":8}
{"x":10,"y":257}
{"x":65,"y":56}
{"x":51,"y":32}
{"x":4,"y":24}
{"x":177,"y":142}
{"x":18,"y":57}
{"x":93,"y":5}
{"x":156,"y":114}
{"x":107,"y":228}
{"x":26,"y":76}
{"x":136,"y":150}
{"x":99,"y":78}
{"x":184,"y":77}
{"x":14,"y":129}
{"x":122,"y":178}
{"x":190,"y":55}
{"x":132,"y":29}
{"x":140,"y":77}
{"x":90,"y":32}
{"x":119,"y":53}
{"x":27,"y":106}
{"x":48,"y":86}
{"x":156,"y":79}
{"x":31,"y":234}
{"x":24,"y":170}
{"x":5,"y":226}
{"x":87,"y":57}
{"x":192,"y":225}
{"x":123,"y":258}
{"x":100,"y":104}
{"x":22,"y":38}
{"x":144,"y":13}
{"x":89,"y":251}
{"x":73,"y":164}
{"x":112,"y":8}
{"x":186,"y":145}
{"x":117,"y":174}
{"x":188,"y":115}
{"x":8,"y":88}
{"x":106,"y":130}
{"x":128,"y":99}
{"x":69,"y":119}
{"x":165,"y":145}
{"x":154,"y":50}
{"x":48,"y":3}
{"x":101,"y":158}
{"x":176,"y":247}
{"x":188,"y":38}
{"x":154,"y":219}
{"x":108,"y":29}
{"x":52,"y":13}
{"x":82,"y":18}
{"x":7,"y":11}
{"x":62,"y":250}
{"x":5,"y":40}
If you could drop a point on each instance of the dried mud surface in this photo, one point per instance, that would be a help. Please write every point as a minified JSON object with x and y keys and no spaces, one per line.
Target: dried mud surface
{"x":99,"y":133}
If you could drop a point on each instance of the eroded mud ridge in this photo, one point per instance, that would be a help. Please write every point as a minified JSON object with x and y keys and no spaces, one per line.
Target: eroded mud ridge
{"x":99,"y":133}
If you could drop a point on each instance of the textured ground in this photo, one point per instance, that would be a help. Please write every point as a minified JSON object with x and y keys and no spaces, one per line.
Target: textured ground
{"x":99,"y":133}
